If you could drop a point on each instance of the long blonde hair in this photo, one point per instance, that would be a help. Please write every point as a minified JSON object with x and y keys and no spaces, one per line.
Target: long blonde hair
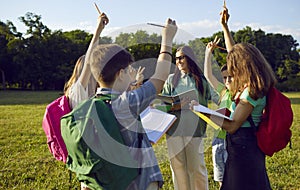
{"x":75,"y":75}
{"x":249,"y":67}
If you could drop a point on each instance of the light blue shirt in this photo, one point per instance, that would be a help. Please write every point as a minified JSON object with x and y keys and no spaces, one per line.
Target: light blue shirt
{"x":126,"y":108}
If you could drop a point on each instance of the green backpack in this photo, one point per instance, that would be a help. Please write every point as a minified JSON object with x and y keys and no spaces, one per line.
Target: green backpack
{"x":96,"y":150}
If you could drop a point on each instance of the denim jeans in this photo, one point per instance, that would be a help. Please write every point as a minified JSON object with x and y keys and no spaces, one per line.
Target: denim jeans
{"x":219,"y":157}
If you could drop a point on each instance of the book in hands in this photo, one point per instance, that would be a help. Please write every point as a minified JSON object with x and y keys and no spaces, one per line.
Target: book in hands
{"x":204,"y":113}
{"x":224,"y":111}
{"x":219,"y":113}
{"x":175,"y":99}
{"x":156,"y":123}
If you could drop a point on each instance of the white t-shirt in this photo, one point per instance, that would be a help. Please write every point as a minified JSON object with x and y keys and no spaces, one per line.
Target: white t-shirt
{"x":77,"y":94}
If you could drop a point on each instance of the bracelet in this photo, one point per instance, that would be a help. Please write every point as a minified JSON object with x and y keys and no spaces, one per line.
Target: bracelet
{"x":166,"y":52}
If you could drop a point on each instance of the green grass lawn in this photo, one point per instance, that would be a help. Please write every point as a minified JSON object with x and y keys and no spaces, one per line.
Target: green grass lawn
{"x":26,"y":162}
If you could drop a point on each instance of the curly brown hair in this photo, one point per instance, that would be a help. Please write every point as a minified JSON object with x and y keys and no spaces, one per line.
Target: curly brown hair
{"x":249,"y":68}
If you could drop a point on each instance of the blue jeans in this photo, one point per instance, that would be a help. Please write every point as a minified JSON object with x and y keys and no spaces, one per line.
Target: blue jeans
{"x":219,"y":157}
{"x":245,"y":167}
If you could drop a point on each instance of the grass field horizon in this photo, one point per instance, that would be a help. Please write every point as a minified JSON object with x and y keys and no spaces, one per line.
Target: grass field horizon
{"x":26,"y":162}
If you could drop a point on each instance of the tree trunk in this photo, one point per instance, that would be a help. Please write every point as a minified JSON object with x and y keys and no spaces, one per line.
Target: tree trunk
{"x":3,"y":79}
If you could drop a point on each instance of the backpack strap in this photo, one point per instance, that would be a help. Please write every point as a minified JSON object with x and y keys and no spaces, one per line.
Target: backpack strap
{"x":250,"y":120}
{"x":106,"y":98}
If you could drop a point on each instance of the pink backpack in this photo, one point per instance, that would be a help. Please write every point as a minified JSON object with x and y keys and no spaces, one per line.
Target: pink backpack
{"x":51,"y":125}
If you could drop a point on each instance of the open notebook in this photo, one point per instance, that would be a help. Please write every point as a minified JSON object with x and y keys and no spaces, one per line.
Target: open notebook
{"x":201,"y":110}
{"x":205,"y":110}
{"x":190,"y":94}
{"x":156,"y":123}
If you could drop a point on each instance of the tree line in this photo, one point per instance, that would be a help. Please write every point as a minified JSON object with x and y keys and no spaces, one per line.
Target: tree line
{"x":42,"y":59}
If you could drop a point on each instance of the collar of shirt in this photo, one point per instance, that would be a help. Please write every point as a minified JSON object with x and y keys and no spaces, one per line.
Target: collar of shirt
{"x":183,"y":75}
{"x":106,"y":91}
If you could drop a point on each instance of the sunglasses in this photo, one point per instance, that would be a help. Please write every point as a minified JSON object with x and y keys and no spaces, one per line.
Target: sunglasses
{"x":229,"y":78}
{"x":180,"y":58}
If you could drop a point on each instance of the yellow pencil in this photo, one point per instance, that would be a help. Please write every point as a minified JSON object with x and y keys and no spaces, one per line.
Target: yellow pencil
{"x":224,"y":5}
{"x":97,"y":8}
{"x":216,"y":46}
{"x":221,"y":48}
{"x":155,"y":25}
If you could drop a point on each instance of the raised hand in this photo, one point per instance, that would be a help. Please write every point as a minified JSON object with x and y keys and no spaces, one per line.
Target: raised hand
{"x":224,"y":16}
{"x":213,"y":44}
{"x":139,"y":75}
{"x":169,"y":32}
{"x":103,"y":20}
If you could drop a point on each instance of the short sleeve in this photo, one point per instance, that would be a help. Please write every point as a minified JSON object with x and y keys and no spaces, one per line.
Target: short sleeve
{"x":245,"y":95}
{"x":258,"y":106}
{"x":77,"y":94}
{"x":167,"y":88}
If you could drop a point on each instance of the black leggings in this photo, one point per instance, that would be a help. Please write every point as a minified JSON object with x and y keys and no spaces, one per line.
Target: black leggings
{"x":245,"y":167}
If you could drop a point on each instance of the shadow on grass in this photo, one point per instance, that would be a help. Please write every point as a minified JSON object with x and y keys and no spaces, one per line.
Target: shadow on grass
{"x":16,"y":97}
{"x":295,"y":100}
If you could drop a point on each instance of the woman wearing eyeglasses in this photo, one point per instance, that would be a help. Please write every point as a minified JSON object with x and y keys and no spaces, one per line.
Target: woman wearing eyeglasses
{"x":184,"y":138}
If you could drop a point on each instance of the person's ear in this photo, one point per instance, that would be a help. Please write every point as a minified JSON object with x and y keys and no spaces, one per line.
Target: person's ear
{"x":120,"y":74}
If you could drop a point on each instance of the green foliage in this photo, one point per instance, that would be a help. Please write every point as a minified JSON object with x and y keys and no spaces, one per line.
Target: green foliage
{"x":140,"y":44}
{"x":35,"y":26}
{"x":198,"y":47}
{"x":29,"y":61}
{"x":291,"y":85}
{"x":139,"y":37}
{"x":44,"y":59}
{"x":279,"y":50}
{"x":26,"y":162}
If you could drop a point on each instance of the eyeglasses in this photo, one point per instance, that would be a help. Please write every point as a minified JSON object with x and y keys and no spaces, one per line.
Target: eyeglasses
{"x":229,"y":78}
{"x":180,"y":58}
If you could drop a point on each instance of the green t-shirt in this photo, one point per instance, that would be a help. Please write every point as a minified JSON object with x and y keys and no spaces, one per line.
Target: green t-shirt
{"x":225,"y":102}
{"x":187,"y":123}
{"x":225,"y":97}
{"x":258,"y":106}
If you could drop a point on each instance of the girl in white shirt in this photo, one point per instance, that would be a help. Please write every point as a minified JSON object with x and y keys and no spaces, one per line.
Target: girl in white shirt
{"x":82,"y":84}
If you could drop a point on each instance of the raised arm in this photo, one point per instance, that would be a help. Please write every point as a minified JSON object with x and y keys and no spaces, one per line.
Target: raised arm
{"x":224,"y":23}
{"x":165,"y":57}
{"x":86,"y":72}
{"x":213,"y":81}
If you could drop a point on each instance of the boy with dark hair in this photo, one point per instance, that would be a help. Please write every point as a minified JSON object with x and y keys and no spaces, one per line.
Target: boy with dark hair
{"x":111,"y":67}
